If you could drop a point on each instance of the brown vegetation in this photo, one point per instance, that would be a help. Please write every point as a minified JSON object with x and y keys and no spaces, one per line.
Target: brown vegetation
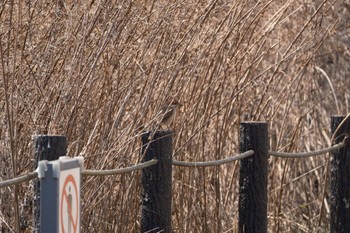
{"x":98,"y":71}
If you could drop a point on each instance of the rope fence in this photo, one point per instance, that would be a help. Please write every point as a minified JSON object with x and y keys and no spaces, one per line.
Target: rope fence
{"x":140,"y":166}
{"x":157,"y":156}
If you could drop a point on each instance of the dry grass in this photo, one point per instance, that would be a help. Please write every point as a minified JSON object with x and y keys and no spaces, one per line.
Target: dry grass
{"x":98,"y":71}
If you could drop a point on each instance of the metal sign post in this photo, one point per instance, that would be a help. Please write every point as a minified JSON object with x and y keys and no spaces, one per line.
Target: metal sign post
{"x":60,"y":195}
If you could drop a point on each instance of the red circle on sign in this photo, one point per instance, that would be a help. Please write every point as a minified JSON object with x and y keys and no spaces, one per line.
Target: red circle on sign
{"x":64,"y":197}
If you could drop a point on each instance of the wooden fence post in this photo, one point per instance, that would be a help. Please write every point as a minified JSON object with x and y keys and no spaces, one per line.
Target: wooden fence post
{"x":46,"y":148}
{"x":340,"y":178}
{"x":253,"y":178}
{"x":157,"y":183}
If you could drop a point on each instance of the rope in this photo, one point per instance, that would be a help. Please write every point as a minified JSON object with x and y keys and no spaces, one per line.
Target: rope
{"x":119,"y":171}
{"x":152,"y":162}
{"x":307,"y":154}
{"x":19,"y":179}
{"x":215,"y":162}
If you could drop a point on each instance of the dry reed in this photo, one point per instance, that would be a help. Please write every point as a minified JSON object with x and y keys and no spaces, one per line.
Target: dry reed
{"x":98,"y":72}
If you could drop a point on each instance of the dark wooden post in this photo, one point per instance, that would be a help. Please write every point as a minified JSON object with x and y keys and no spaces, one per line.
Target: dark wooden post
{"x":46,"y":148}
{"x":253,"y":178}
{"x":340,"y":177}
{"x":157,"y":183}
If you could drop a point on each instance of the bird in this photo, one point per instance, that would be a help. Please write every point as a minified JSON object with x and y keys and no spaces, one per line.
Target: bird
{"x":168,"y":113}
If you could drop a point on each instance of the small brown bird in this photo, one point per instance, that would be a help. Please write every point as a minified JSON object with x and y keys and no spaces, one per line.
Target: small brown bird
{"x":169,"y":111}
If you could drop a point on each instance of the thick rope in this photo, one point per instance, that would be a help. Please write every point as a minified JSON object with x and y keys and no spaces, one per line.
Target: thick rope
{"x":120,"y":170}
{"x":215,"y":162}
{"x":307,"y":154}
{"x":19,"y":179}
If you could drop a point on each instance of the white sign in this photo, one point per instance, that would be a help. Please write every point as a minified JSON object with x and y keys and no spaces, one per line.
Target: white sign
{"x":69,"y":201}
